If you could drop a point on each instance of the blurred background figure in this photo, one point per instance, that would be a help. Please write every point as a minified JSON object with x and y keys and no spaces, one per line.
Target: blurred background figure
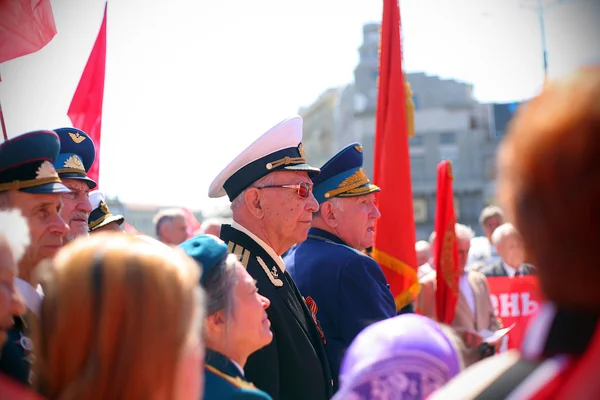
{"x":423,"y":249}
{"x":405,"y":357}
{"x":483,"y":252}
{"x":211,"y":226}
{"x":14,"y":239}
{"x":424,"y":258}
{"x":511,"y":249}
{"x":101,"y":219}
{"x":171,"y":226}
{"x":138,"y":310}
{"x":549,"y":181}
{"x":474,"y":311}
{"x":236,"y":322}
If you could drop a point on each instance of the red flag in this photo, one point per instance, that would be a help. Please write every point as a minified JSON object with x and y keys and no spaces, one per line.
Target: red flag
{"x":25,"y":27}
{"x":85,"y":110}
{"x":445,"y":252}
{"x":394,"y":247}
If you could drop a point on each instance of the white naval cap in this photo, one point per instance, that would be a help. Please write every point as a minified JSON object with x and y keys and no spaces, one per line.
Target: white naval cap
{"x":100,"y":215}
{"x":279,"y":148}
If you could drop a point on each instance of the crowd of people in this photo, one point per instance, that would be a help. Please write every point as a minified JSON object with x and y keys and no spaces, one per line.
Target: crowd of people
{"x":284,"y":301}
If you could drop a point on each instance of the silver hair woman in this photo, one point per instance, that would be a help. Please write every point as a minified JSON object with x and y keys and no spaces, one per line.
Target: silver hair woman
{"x":236,"y":322}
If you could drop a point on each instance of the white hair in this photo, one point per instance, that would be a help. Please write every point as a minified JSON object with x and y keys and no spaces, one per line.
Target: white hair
{"x":463,"y":232}
{"x":15,"y":231}
{"x":488,"y":212}
{"x":337,"y":202}
{"x":502,"y":232}
{"x":266,"y":180}
{"x":422,"y":245}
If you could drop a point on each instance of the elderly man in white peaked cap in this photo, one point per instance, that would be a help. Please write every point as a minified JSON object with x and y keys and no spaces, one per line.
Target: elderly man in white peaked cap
{"x":101,"y":219}
{"x":270,"y":187}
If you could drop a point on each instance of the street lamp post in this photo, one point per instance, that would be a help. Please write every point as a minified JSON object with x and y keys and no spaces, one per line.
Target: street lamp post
{"x":540,"y":7}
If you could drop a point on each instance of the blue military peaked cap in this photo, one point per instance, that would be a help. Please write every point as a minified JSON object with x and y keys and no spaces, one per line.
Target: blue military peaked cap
{"x":278,"y":149}
{"x":343,"y":176}
{"x":77,"y":155}
{"x":207,"y":250}
{"x":26,"y":163}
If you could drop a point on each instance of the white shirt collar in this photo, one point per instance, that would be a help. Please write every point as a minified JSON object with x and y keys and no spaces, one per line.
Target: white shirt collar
{"x":31,"y":296}
{"x":510,"y":271}
{"x":238,"y":366}
{"x":262,"y":244}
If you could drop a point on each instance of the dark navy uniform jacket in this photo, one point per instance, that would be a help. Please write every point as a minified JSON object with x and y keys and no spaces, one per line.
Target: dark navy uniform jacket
{"x":345,"y":288}
{"x":16,"y":355}
{"x":223,"y":380}
{"x":294,"y":365}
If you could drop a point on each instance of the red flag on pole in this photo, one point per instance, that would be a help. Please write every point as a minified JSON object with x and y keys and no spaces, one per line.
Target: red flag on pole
{"x":394,"y":247}
{"x":25,"y":27}
{"x":85,"y":110}
{"x":445,"y":252}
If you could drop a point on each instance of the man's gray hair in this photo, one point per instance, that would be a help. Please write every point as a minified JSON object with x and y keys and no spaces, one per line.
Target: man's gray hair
{"x":266,"y":180}
{"x":489,"y":212}
{"x":14,"y":230}
{"x":463,"y":232}
{"x":218,"y":287}
{"x":166,"y":216}
{"x":503,"y":231}
{"x":337,"y":202}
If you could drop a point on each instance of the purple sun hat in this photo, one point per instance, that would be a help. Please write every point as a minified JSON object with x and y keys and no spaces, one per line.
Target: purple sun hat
{"x":401,"y":358}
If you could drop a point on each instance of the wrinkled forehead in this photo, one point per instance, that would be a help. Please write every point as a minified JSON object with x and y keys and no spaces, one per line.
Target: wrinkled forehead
{"x":76,"y":184}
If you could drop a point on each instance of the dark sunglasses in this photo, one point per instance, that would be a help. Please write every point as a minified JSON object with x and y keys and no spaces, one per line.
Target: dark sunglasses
{"x":304,"y":188}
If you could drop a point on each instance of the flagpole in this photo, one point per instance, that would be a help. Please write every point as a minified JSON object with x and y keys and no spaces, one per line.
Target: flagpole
{"x":4,"y":133}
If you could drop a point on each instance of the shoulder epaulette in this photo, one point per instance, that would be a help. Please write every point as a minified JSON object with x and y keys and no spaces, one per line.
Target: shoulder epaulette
{"x":234,"y":380}
{"x":240,"y":252}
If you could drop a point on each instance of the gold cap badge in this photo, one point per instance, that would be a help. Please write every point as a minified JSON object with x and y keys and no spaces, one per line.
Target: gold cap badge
{"x":77,"y":137}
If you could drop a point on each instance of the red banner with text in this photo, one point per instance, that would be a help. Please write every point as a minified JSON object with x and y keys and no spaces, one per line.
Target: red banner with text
{"x":515,"y":300}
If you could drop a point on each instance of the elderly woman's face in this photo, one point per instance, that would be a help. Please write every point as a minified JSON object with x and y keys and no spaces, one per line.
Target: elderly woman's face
{"x":11,"y":303}
{"x":249,"y":327}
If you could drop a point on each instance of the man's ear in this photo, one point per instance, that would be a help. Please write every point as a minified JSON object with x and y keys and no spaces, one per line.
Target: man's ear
{"x":253,"y":201}
{"x":328,"y":213}
{"x":215,"y":323}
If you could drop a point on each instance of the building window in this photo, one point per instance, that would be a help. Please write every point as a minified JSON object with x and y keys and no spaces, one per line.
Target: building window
{"x":417,"y":140}
{"x":448,"y":138}
{"x":420,"y":210}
